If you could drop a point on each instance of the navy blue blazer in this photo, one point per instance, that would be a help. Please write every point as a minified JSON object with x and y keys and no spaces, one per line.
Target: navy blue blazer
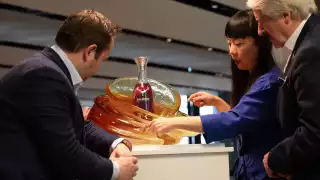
{"x":254,"y":122}
{"x":43,"y":134}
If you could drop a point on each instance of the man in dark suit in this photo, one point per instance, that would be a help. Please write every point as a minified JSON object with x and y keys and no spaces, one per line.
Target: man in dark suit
{"x":42,"y":129}
{"x":292,"y":27}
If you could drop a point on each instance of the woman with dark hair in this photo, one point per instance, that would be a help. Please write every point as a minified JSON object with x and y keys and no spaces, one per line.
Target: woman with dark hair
{"x":251,"y":116}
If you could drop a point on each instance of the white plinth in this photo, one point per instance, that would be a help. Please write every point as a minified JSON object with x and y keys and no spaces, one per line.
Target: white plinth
{"x":183,"y":162}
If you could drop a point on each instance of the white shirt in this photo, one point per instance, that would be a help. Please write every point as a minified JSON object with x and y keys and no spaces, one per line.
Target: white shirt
{"x":76,"y":79}
{"x":291,"y":42}
{"x":77,"y":82}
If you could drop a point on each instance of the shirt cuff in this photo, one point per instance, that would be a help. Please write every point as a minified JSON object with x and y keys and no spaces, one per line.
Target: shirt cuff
{"x":118,"y":141}
{"x":116,"y":171}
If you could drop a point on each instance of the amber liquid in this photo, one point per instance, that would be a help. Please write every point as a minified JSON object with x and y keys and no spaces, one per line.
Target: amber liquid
{"x":143,"y":96}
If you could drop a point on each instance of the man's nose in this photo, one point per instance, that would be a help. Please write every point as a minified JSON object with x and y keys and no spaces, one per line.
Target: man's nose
{"x":260,"y":30}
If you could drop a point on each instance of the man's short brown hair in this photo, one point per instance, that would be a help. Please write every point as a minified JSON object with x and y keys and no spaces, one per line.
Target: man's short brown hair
{"x":85,"y":28}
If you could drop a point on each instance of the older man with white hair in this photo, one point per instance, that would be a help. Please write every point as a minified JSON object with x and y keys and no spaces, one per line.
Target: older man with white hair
{"x":291,"y":25}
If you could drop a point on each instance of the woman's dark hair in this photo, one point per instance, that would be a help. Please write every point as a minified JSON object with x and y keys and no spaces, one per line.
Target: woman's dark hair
{"x":242,"y":25}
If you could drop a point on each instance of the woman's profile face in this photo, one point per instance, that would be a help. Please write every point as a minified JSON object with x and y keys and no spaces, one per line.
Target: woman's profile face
{"x":244,"y":52}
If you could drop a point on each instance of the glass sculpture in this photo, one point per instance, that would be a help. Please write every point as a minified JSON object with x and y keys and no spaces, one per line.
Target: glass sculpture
{"x":119,"y":113}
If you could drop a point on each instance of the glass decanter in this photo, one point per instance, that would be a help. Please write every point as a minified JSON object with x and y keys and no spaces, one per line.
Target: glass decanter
{"x":142,"y":93}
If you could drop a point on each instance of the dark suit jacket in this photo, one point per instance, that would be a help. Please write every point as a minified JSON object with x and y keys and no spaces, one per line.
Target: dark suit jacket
{"x":42,"y":131}
{"x":299,"y":153}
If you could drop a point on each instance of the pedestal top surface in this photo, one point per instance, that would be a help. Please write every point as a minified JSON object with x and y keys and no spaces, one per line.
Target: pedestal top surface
{"x":180,"y":149}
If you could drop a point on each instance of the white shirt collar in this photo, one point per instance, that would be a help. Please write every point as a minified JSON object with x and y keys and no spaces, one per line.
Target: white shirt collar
{"x":291,"y":42}
{"x":75,"y":76}
{"x":286,"y":51}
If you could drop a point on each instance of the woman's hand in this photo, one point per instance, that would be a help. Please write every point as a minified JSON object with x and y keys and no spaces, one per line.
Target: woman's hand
{"x":204,"y":99}
{"x":160,"y":126}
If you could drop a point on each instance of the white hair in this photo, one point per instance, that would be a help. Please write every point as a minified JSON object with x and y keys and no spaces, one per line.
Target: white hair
{"x":276,"y":8}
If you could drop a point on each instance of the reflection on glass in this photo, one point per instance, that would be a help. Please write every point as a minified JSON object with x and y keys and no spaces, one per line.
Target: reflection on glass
{"x":184,"y":108}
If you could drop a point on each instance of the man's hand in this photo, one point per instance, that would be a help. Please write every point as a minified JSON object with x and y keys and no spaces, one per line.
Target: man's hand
{"x":270,"y":172}
{"x":128,"y":167}
{"x":85,"y":112}
{"x":121,"y":151}
{"x":266,"y":166}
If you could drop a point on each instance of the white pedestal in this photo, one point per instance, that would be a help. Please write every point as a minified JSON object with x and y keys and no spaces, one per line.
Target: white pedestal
{"x":183,"y":162}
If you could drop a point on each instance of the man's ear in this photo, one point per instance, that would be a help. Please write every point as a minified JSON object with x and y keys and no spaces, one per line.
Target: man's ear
{"x":90,"y":52}
{"x":287,"y":17}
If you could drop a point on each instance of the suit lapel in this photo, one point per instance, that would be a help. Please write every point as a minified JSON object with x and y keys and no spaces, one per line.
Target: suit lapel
{"x":309,"y":24}
{"x":54,"y":57}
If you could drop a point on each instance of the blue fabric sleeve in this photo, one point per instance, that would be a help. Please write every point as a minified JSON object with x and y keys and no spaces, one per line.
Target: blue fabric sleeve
{"x":247,"y":115}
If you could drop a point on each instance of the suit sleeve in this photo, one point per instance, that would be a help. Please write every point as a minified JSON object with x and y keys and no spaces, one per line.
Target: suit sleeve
{"x":244,"y":117}
{"x":297,"y":152}
{"x":46,"y":107}
{"x":99,"y":140}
